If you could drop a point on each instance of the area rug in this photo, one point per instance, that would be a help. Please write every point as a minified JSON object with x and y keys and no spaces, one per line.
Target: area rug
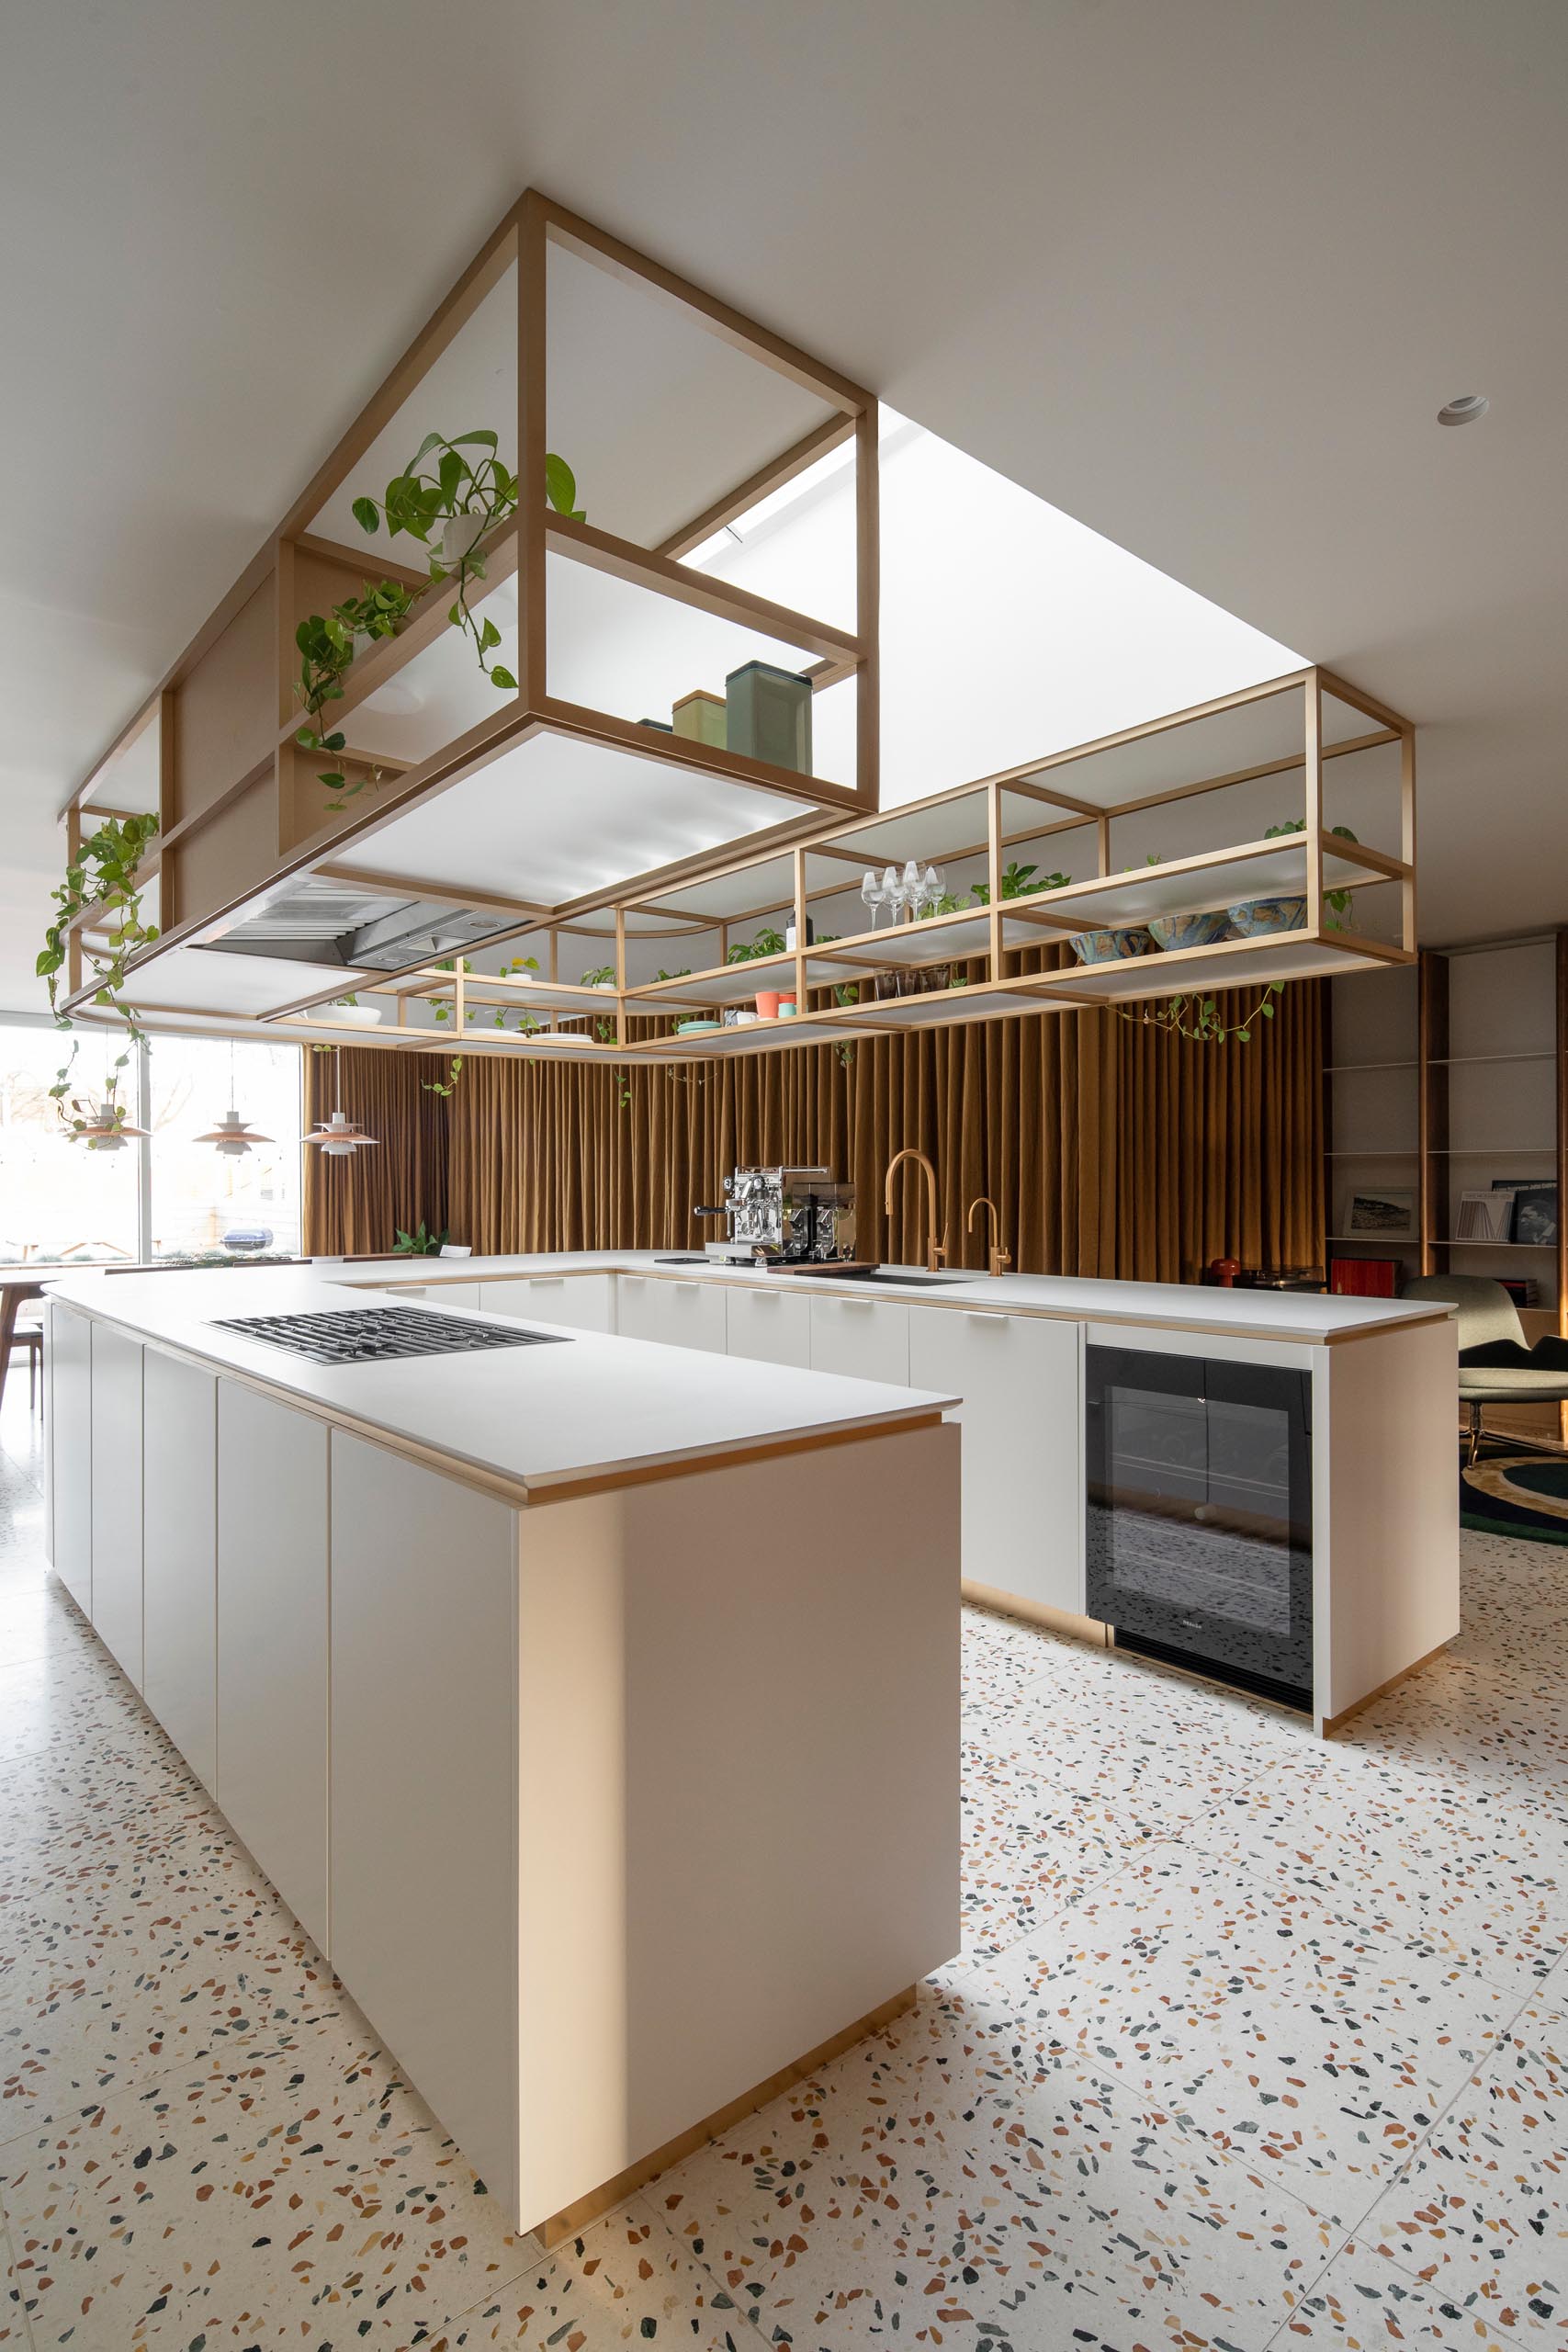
{"x":1516,"y":1494}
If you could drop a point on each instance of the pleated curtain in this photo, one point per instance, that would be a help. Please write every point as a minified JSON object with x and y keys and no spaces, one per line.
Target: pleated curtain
{"x":1109,"y":1147}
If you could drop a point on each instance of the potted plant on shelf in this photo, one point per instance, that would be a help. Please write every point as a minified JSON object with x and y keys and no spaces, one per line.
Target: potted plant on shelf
{"x":1018,"y":882}
{"x":466,"y":496}
{"x":768,"y":941}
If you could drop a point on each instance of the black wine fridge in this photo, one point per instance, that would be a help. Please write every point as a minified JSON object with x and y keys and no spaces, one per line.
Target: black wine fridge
{"x":1199,"y":1477}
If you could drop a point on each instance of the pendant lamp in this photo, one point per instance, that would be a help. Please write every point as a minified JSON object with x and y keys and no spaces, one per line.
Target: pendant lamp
{"x":106,"y":1130}
{"x":340,"y":1137}
{"x":232,"y":1136}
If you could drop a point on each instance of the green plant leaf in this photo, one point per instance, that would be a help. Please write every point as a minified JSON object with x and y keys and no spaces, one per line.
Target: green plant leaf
{"x":502,"y":678}
{"x":560,"y":483}
{"x":489,"y":636}
{"x":479,"y":438}
{"x":367,"y":514}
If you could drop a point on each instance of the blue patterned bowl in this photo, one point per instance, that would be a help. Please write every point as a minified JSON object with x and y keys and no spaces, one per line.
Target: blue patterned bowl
{"x":1191,"y":931}
{"x":1111,"y":946}
{"x":1256,"y":917}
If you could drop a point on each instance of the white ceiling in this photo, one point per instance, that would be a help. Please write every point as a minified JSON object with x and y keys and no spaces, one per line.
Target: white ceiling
{"x":1200,"y":276}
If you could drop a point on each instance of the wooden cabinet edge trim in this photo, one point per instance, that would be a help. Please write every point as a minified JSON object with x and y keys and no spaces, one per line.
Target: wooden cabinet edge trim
{"x":583,"y":2209}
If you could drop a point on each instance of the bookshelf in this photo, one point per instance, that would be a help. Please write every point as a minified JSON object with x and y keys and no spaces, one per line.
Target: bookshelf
{"x":1449,"y":1080}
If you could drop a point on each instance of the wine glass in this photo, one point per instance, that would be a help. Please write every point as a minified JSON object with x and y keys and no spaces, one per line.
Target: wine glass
{"x":871,"y":891}
{"x":894,"y":892}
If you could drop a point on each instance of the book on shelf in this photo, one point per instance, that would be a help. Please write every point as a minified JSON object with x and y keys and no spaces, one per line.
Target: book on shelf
{"x":1534,"y":1209}
{"x":1364,"y":1277}
{"x":1484,"y":1215}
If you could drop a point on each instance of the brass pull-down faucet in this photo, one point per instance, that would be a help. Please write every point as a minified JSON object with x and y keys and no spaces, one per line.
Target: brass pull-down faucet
{"x":935,"y":1253}
{"x":997,"y":1258}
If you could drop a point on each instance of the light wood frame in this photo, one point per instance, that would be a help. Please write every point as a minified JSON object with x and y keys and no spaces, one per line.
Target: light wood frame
{"x":226,"y":836}
{"x":986,"y":940}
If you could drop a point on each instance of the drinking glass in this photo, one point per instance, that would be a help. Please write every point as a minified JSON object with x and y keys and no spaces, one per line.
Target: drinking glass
{"x":875,"y":898}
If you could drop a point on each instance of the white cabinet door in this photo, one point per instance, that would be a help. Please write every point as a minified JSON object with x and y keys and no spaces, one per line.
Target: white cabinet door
{"x":179,"y":1607}
{"x":69,"y":1395}
{"x":424,"y":1683}
{"x":117,"y":1496}
{"x":867,"y":1338}
{"x":441,"y":1294}
{"x":582,"y":1301}
{"x":272,"y":1641}
{"x":1020,"y":1378}
{"x":681,"y":1314}
{"x":774,"y":1326}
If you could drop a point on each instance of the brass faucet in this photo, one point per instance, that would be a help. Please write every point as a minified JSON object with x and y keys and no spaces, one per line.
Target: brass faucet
{"x":934,"y":1249}
{"x":998,"y":1258}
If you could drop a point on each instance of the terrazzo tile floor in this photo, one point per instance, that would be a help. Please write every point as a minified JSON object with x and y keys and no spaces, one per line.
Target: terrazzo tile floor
{"x":1254,"y":2043}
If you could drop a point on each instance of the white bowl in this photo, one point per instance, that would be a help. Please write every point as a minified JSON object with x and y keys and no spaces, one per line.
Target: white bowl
{"x":349,"y":1016}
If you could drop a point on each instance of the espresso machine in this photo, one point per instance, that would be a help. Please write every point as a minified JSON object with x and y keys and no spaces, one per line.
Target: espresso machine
{"x":787,"y":1216}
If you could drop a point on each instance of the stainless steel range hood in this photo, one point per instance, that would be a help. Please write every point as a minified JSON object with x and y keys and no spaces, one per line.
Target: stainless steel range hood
{"x":317,"y":921}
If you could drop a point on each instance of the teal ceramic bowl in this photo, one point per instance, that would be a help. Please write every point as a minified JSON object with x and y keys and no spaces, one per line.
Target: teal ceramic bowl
{"x":1111,"y":947}
{"x":1256,"y":917}
{"x":1191,"y":931}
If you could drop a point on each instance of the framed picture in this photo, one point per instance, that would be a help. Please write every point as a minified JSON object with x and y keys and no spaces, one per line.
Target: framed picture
{"x":1384,"y":1214}
{"x":1534,"y":1209}
{"x":1484,"y":1215}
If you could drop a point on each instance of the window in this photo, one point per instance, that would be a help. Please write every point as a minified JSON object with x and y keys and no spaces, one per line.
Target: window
{"x":168,"y":1195}
{"x":197,"y":1196}
{"x":57,"y":1198}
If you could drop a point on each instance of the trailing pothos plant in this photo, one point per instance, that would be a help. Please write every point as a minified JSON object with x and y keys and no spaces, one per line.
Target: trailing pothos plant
{"x":602,"y":976}
{"x":1198,"y":1017}
{"x":467,"y":496}
{"x":1018,"y":882}
{"x":105,"y":875}
{"x":519,"y":1018}
{"x":327,"y":644}
{"x":1340,"y":903}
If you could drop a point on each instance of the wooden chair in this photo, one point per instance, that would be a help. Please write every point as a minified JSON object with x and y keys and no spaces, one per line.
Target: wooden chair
{"x":27,"y":1339}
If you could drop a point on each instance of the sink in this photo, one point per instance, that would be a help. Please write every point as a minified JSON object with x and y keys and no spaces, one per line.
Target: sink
{"x":921,"y":1282}
{"x":825,"y":1270}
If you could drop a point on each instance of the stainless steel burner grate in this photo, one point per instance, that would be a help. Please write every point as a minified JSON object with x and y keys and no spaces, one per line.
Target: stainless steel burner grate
{"x":379,"y":1334}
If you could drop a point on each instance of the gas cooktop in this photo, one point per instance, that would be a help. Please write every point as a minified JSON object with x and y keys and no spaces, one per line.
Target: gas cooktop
{"x":379,"y":1334}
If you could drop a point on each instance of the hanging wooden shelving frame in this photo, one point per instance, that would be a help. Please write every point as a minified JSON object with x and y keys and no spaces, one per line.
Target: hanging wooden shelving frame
{"x":241,"y":813}
{"x":715,"y":904}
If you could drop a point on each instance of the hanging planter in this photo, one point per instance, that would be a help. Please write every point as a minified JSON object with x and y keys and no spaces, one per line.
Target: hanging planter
{"x":105,"y":1128}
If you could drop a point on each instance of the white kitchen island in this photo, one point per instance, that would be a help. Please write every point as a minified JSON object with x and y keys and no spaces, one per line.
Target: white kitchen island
{"x":1018,"y":1350}
{"x":594,"y":1703}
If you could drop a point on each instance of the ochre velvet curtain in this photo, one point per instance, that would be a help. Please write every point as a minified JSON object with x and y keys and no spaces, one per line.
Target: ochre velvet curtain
{"x":356,"y":1204}
{"x":1109,"y":1146}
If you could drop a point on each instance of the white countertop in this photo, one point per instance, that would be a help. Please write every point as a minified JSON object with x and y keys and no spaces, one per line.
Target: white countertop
{"x":1303,"y":1317}
{"x":543,"y":1419}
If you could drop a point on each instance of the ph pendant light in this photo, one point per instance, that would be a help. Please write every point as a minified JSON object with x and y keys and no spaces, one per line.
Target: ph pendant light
{"x":340,"y":1137}
{"x":232,"y":1136}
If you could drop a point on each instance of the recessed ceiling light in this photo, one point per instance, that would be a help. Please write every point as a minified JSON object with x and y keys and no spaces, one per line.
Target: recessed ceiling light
{"x":1465,"y":410}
